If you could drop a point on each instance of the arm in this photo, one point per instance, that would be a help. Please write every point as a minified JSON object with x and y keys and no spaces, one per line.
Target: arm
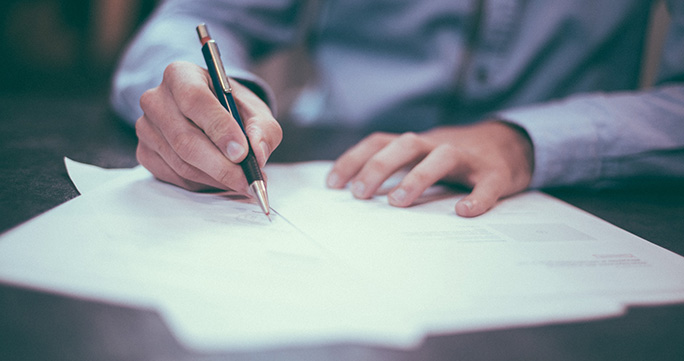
{"x":185,"y":137}
{"x":603,"y":139}
{"x":585,"y":139}
{"x":245,"y":32}
{"x":600,"y":139}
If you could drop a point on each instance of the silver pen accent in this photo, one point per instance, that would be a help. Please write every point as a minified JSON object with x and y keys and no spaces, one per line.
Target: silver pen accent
{"x":224,"y":93}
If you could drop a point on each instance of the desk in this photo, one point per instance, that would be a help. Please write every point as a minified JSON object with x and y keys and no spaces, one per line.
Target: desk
{"x":36,"y":135}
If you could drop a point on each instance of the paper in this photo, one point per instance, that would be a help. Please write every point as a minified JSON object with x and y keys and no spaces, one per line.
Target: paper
{"x":330,"y":268}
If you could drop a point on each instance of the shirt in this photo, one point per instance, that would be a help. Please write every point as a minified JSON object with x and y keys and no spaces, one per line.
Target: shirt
{"x":565,"y":71}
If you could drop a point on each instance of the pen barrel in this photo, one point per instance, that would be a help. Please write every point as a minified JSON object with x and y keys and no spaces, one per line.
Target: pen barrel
{"x":224,"y":94}
{"x":251,"y":168}
{"x":249,"y":165}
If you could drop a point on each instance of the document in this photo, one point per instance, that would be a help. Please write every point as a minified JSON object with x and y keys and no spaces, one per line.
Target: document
{"x":328,"y":268}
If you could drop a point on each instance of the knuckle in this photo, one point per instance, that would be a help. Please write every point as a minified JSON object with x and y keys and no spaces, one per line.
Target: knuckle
{"x":185,"y":145}
{"x":148,"y":99}
{"x":378,"y":165}
{"x":252,"y":129}
{"x":225,"y":176}
{"x":186,"y":91}
{"x":379,"y":138}
{"x":409,"y":138}
{"x":268,"y":130}
{"x":419,"y":177}
{"x":190,"y":99}
{"x":145,"y":134}
{"x":173,"y":69}
{"x":411,"y":141}
{"x":448,"y":151}
{"x":215,"y":127}
{"x":185,"y":170}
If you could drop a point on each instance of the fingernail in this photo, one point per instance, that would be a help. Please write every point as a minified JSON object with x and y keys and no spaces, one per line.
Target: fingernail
{"x":266,"y":150}
{"x":333,"y":180}
{"x":398,"y":196}
{"x":358,"y":188}
{"x":464,"y":208}
{"x":234,"y":151}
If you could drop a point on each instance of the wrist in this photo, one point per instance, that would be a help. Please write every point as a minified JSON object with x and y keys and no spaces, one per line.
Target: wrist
{"x":519,"y":143}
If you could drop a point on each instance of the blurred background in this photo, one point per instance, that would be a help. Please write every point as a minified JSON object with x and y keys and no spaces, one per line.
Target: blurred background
{"x":70,"y":47}
{"x":66,"y":47}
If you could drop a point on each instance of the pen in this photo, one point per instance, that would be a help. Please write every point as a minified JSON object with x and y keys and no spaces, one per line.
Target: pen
{"x":224,"y":93}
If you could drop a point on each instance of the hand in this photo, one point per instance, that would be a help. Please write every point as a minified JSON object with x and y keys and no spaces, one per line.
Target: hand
{"x":187,"y":138}
{"x":495,"y":159}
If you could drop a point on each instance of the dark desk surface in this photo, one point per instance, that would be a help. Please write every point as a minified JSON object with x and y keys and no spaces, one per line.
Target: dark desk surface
{"x":36,"y":135}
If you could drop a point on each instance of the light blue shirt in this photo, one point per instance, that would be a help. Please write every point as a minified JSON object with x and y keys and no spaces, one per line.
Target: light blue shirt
{"x":565,"y":71}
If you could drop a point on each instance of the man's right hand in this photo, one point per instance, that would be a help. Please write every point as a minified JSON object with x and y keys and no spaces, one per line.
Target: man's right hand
{"x":185,"y":136}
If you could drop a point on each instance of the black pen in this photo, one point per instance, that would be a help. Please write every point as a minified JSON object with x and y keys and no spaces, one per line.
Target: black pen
{"x":224,"y":93}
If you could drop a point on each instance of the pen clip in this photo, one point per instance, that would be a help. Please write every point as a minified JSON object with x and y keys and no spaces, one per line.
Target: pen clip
{"x":215,"y":57}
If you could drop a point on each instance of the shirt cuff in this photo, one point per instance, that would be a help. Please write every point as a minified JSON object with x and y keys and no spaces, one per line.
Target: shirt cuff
{"x":565,"y":141}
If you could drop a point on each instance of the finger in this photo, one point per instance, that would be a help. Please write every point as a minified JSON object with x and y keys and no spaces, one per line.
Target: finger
{"x":263,"y":131}
{"x":155,"y":154}
{"x":434,"y":167}
{"x":190,"y":87}
{"x":189,"y":142}
{"x":351,"y":161}
{"x":162,"y":171}
{"x":483,"y":197}
{"x":403,"y":150}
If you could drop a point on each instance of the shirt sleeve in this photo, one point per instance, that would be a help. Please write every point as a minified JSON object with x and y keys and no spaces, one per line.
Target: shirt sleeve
{"x":244,"y":34}
{"x":601,"y":139}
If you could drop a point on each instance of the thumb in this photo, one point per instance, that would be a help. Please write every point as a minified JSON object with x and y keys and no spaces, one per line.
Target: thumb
{"x":482,"y":198}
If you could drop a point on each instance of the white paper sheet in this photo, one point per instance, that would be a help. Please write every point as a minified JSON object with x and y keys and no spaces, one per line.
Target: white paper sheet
{"x":330,"y":268}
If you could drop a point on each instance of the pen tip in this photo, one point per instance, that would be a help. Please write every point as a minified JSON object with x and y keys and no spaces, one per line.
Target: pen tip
{"x":259,"y":191}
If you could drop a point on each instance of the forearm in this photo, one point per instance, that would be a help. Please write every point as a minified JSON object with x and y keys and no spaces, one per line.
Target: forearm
{"x":596,"y":139}
{"x":169,"y":35}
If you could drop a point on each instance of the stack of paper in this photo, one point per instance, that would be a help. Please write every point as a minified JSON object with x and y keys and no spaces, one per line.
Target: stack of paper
{"x":327,"y":267}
